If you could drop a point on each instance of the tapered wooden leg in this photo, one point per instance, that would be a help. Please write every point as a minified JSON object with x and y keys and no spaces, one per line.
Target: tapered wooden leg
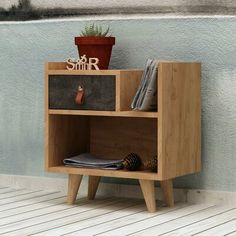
{"x":148,"y":189}
{"x":73,"y":187}
{"x":167,"y":189}
{"x":93,"y":186}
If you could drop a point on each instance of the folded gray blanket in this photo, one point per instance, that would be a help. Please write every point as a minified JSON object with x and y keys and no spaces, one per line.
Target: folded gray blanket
{"x":92,"y":161}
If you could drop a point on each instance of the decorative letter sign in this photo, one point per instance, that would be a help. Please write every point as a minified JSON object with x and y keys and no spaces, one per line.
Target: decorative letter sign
{"x":82,"y":63}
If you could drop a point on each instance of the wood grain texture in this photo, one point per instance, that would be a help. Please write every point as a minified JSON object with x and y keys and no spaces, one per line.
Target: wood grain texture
{"x":129,"y":83}
{"x":46,"y":119}
{"x":93,"y":183}
{"x":60,"y":68}
{"x":74,"y":182}
{"x":117,"y":137}
{"x":174,"y":137}
{"x":179,"y":119}
{"x":67,"y":136}
{"x":144,"y":114}
{"x":168,"y":193}
{"x":108,"y":173}
{"x":148,"y":189}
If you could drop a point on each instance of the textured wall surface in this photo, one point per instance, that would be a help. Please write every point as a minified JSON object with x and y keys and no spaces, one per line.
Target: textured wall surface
{"x":120,"y":3}
{"x":25,"y":47}
{"x":226,"y":7}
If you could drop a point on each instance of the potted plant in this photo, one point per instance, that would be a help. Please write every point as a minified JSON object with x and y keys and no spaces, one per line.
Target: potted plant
{"x":97,"y":43}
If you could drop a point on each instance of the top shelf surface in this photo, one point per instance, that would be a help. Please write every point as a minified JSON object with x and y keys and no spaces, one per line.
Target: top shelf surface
{"x":88,"y":72}
{"x":59,"y":68}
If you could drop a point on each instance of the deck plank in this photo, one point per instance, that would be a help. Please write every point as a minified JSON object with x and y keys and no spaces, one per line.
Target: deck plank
{"x":48,"y":202}
{"x":86,"y":225}
{"x":222,"y":229}
{"x":203,"y":223}
{"x":190,"y":219}
{"x":109,"y":223}
{"x":8,"y":189}
{"x":19,"y":198}
{"x":12,"y":194}
{"x":28,"y":202}
{"x":43,"y":213}
{"x":233,"y":233}
{"x":158,"y":219}
{"x":38,"y":224}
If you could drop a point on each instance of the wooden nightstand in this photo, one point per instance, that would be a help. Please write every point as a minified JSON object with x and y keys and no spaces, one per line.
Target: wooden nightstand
{"x":173,"y":133}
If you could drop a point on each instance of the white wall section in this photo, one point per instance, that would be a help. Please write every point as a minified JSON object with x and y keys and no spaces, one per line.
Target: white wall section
{"x":26,"y":47}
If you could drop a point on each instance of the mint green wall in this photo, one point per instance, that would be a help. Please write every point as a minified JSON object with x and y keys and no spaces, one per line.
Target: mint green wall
{"x":25,"y":47}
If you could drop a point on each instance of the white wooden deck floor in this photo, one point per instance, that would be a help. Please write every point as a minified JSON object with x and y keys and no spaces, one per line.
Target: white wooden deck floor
{"x":24,"y":212}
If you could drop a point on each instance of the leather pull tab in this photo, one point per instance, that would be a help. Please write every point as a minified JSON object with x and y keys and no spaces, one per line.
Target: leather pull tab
{"x":79,"y":99}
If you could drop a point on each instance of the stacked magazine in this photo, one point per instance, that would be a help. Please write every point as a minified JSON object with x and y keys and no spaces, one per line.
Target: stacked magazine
{"x":91,"y":161}
{"x":146,"y":96}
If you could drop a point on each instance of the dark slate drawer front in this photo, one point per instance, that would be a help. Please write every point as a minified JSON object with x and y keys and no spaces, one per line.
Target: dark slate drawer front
{"x":99,"y":92}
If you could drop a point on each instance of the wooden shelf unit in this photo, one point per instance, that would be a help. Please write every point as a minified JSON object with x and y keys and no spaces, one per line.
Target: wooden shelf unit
{"x":172,"y":133}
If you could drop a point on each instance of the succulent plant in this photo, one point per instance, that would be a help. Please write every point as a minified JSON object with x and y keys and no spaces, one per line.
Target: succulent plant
{"x":94,"y":31}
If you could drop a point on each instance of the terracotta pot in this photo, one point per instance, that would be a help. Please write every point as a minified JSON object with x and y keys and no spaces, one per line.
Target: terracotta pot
{"x":99,"y":47}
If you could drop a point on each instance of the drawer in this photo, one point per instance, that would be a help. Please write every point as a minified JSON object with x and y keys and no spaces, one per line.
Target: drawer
{"x":99,"y":92}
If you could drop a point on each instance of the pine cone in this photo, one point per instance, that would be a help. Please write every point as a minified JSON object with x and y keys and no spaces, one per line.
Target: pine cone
{"x":151,"y":164}
{"x":132,"y":162}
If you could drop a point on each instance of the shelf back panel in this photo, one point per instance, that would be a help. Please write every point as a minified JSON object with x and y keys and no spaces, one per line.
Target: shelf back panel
{"x":115,"y":137}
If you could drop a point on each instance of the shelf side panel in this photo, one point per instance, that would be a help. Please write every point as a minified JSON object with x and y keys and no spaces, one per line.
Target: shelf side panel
{"x":67,"y":136}
{"x":179,"y":120}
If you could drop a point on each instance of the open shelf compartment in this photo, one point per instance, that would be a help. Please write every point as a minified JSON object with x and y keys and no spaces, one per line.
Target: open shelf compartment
{"x":109,"y":137}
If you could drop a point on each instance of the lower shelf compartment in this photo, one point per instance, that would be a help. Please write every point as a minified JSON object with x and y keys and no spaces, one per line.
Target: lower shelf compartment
{"x":107,"y":173}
